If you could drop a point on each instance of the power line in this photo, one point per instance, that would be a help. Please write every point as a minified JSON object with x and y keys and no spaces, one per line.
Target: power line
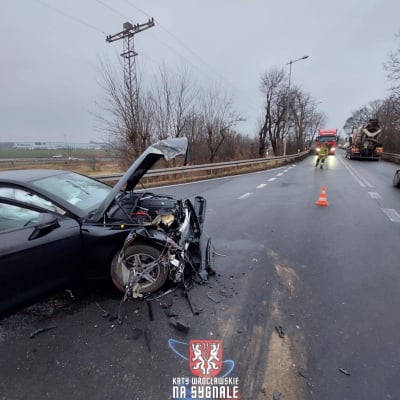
{"x":180,"y":42}
{"x":212,"y":69}
{"x":70,"y":16}
{"x":113,"y":10}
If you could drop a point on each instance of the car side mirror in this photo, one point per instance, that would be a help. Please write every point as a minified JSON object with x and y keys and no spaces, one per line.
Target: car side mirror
{"x":47,"y":223}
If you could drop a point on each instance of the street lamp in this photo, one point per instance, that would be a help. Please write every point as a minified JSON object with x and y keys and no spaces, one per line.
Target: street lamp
{"x":287,"y":101}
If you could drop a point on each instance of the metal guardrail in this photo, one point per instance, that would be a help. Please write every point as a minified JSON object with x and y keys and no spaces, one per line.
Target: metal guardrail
{"x":204,"y":170}
{"x":216,"y":169}
{"x":391,"y":157}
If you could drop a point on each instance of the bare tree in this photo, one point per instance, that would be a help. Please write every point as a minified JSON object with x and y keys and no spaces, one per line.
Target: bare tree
{"x":273,"y":87}
{"x":306,"y":120}
{"x":218,"y":117}
{"x":127,"y":125}
{"x":173,"y":100}
{"x":362,"y":115}
{"x":392,"y":68}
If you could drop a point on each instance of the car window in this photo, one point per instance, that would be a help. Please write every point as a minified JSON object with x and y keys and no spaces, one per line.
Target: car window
{"x":15,"y":217}
{"x":29,"y":198}
{"x":78,"y":190}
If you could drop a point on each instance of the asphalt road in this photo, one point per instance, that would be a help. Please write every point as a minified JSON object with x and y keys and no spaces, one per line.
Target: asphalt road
{"x":304,"y":301}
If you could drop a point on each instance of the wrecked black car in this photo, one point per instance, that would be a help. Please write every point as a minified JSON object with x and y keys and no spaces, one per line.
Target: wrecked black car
{"x":59,"y":226}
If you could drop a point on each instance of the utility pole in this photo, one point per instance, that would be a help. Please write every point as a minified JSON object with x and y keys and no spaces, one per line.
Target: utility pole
{"x":129,"y":54}
{"x":287,"y":102}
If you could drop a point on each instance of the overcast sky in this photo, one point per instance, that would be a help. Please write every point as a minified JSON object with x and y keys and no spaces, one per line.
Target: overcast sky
{"x":50,"y":52}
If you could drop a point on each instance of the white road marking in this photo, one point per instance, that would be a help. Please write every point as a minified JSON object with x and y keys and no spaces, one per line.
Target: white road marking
{"x":243,"y":196}
{"x":392,"y":214}
{"x":279,"y":174}
{"x":356,"y":175}
{"x":271,"y":179}
{"x":375,"y":195}
{"x":262,"y":185}
{"x":286,"y":170}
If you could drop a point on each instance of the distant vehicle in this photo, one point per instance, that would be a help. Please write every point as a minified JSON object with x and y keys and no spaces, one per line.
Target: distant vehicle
{"x":396,"y":179}
{"x":58,"y":226}
{"x":57,"y":156}
{"x":366,"y":142}
{"x":329,"y":137}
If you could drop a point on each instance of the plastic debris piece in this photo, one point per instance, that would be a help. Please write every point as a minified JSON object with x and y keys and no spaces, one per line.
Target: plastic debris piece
{"x":70,"y":294}
{"x":105,"y":312}
{"x":280,"y":331}
{"x":179,"y":324}
{"x":165,"y":304}
{"x":170,"y":313}
{"x":39,"y":331}
{"x":193,"y":308}
{"x":343,"y":371}
{"x":213,"y":298}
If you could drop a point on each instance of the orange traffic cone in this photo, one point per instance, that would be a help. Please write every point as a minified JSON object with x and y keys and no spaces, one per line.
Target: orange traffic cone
{"x":322,"y":200}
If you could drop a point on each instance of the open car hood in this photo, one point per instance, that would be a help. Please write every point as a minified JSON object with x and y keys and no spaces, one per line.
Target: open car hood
{"x":166,"y":148}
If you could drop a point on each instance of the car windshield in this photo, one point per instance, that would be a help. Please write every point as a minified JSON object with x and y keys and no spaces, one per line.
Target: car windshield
{"x":78,"y":190}
{"x":326,"y":138}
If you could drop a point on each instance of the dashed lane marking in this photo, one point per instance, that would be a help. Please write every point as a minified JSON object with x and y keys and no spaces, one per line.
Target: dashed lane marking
{"x":271,"y":179}
{"x":261,"y":186}
{"x":243,"y":196}
{"x":375,"y":195}
{"x":392,"y":214}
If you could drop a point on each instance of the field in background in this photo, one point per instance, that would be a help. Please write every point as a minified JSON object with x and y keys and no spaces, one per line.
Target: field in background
{"x":46,"y":153}
{"x":85,"y":161}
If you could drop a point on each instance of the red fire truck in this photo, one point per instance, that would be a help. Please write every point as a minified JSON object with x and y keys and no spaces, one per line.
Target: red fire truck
{"x":329,"y":137}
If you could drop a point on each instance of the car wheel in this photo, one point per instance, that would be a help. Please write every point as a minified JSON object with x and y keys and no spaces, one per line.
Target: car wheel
{"x":138,"y":256}
{"x":210,"y":258}
{"x":396,"y":179}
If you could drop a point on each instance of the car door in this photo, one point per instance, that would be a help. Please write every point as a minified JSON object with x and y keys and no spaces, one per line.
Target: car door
{"x":40,"y":251}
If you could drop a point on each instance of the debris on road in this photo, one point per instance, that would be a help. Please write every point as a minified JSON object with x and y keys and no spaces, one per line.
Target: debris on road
{"x":343,"y":371}
{"x":105,"y":312}
{"x":280,"y":331}
{"x":70,"y":294}
{"x":179,"y":324}
{"x":169,"y":312}
{"x":166,"y":304}
{"x":195,"y":310}
{"x":39,"y":331}
{"x":214,"y":299}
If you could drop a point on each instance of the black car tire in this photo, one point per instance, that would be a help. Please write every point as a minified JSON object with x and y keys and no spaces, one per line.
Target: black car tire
{"x":146,"y":254}
{"x":396,"y":179}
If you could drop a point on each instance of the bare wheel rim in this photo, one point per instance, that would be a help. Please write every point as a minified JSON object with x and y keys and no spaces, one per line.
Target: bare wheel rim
{"x":138,"y":257}
{"x":139,"y":262}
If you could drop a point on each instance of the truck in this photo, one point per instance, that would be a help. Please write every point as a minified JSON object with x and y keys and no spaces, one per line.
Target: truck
{"x":366,"y":142}
{"x":329,"y":137}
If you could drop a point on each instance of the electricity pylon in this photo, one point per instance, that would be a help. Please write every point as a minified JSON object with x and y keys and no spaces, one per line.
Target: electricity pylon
{"x":129,"y":54}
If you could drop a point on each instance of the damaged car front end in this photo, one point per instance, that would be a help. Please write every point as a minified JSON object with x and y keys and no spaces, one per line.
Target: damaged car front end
{"x":167,"y":245}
